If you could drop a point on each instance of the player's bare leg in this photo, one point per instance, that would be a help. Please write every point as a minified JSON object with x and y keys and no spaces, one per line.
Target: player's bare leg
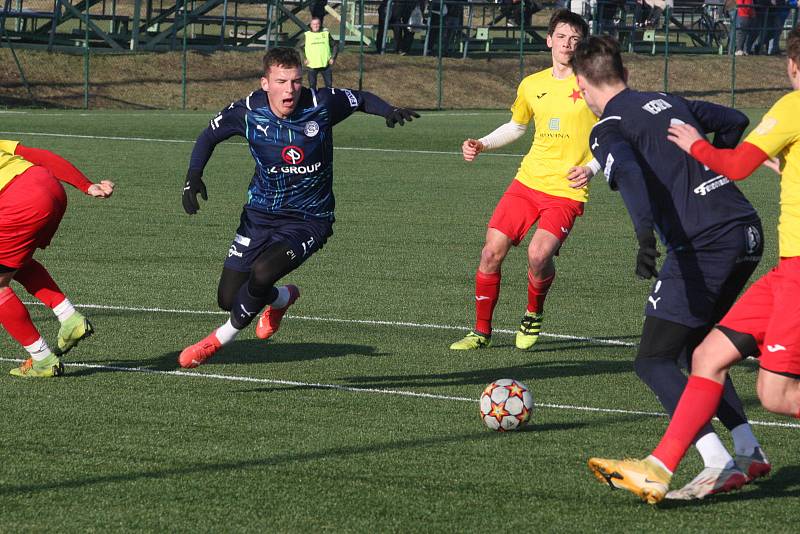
{"x":778,"y":393}
{"x":541,"y":273}
{"x":487,"y":290}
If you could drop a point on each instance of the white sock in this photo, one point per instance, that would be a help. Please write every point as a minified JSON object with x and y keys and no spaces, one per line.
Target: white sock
{"x":283,"y":298}
{"x":227,"y":333}
{"x":38,"y":349}
{"x":64,"y":310}
{"x":744,"y":441}
{"x":659,"y":463}
{"x":713,"y":451}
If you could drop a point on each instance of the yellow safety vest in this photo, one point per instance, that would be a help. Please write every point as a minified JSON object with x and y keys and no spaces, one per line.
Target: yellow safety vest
{"x":318,"y":49}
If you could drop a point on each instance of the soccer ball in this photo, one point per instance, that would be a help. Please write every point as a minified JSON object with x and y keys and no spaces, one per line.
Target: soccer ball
{"x":506,"y":405}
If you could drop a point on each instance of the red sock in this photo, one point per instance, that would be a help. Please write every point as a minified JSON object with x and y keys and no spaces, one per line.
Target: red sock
{"x":15,"y":318}
{"x":38,"y":282}
{"x":487,"y":291}
{"x":537,"y":292}
{"x":698,"y":404}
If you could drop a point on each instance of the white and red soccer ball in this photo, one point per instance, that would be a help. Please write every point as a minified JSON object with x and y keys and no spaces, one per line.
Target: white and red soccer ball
{"x":506,"y":404}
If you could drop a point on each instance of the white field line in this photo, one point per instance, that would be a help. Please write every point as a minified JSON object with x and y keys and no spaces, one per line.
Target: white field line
{"x":352,"y":389}
{"x":358,"y":389}
{"x":374,"y":322}
{"x":187,"y":141}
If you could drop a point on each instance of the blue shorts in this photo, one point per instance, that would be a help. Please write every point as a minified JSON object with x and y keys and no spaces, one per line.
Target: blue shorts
{"x":696,"y":288}
{"x":258,"y":231}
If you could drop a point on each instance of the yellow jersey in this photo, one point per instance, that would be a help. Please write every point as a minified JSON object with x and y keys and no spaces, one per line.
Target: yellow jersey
{"x":11,"y":165}
{"x":562,"y":123}
{"x":778,"y":134}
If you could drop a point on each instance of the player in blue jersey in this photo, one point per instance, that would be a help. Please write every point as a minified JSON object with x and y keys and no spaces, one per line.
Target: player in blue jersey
{"x":712,"y":236}
{"x":289,"y":211}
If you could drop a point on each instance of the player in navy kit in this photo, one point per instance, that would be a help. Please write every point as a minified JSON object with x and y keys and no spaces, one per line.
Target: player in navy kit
{"x":711,"y":232}
{"x":289,"y":211}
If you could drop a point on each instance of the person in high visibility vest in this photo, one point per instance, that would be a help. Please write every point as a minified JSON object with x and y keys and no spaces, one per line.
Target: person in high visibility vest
{"x":320,"y":51}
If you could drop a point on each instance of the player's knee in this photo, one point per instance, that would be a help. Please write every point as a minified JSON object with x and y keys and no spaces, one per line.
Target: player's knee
{"x":707,"y":362}
{"x":262,"y":277}
{"x":772,"y":400}
{"x":491,"y":259}
{"x":648,"y":365}
{"x":538,"y":261}
{"x":225,"y":299}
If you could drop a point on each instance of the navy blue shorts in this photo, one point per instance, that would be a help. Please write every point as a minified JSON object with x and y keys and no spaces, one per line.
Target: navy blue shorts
{"x":258,"y":231}
{"x":696,"y":288}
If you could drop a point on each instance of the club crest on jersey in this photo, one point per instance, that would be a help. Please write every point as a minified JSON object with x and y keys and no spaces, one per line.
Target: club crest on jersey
{"x":293,"y":154}
{"x":555,"y":124}
{"x":311,"y":129}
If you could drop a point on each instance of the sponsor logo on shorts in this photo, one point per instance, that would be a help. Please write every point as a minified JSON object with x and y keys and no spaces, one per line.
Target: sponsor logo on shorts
{"x":307,"y":245}
{"x":311,"y":129}
{"x":564,"y":230}
{"x":233,"y":252}
{"x":242,"y":240}
{"x":651,"y":299}
{"x":481,"y":297}
{"x":775,"y":348}
{"x":291,"y":253}
{"x":709,"y":185}
{"x":293,"y":154}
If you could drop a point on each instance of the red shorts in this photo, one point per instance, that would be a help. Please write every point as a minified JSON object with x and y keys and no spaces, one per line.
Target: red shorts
{"x":770,"y":312}
{"x":520,"y":207}
{"x":31,"y":207}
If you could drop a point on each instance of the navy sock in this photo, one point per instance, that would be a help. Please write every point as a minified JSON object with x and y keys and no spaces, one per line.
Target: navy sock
{"x":246,"y":305}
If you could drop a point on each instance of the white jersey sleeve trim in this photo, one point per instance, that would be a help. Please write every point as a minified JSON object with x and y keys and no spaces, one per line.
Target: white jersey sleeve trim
{"x":503,"y":135}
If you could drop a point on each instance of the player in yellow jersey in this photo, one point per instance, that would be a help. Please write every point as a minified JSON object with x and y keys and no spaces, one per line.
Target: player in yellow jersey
{"x":764,"y":322}
{"x":32,"y":202}
{"x":551,"y":185}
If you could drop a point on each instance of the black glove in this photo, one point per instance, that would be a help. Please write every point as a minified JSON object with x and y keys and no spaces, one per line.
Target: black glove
{"x":646,"y":257}
{"x":194,"y":184}
{"x":399,"y":116}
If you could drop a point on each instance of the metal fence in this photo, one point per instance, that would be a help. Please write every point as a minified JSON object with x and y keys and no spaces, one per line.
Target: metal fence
{"x":454,"y":54}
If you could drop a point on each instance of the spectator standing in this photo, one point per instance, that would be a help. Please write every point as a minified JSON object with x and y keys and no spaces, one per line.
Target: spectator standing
{"x":320,"y":51}
{"x":745,"y":20}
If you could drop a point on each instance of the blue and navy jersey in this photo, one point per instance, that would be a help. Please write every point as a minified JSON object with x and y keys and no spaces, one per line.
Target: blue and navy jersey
{"x":663,"y":187}
{"x":294,"y":156}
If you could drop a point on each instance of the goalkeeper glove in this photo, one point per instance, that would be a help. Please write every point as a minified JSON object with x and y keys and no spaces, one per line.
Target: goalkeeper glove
{"x":646,"y":257}
{"x":399,"y":116}
{"x":194,"y":184}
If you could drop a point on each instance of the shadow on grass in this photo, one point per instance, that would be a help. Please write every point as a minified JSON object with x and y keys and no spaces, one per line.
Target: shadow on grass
{"x":544,"y":369}
{"x":245,"y":351}
{"x":250,"y":464}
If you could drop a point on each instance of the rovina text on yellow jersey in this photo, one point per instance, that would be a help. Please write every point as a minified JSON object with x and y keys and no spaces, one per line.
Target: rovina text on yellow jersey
{"x":11,"y":165}
{"x":778,"y":134}
{"x":562,"y":122}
